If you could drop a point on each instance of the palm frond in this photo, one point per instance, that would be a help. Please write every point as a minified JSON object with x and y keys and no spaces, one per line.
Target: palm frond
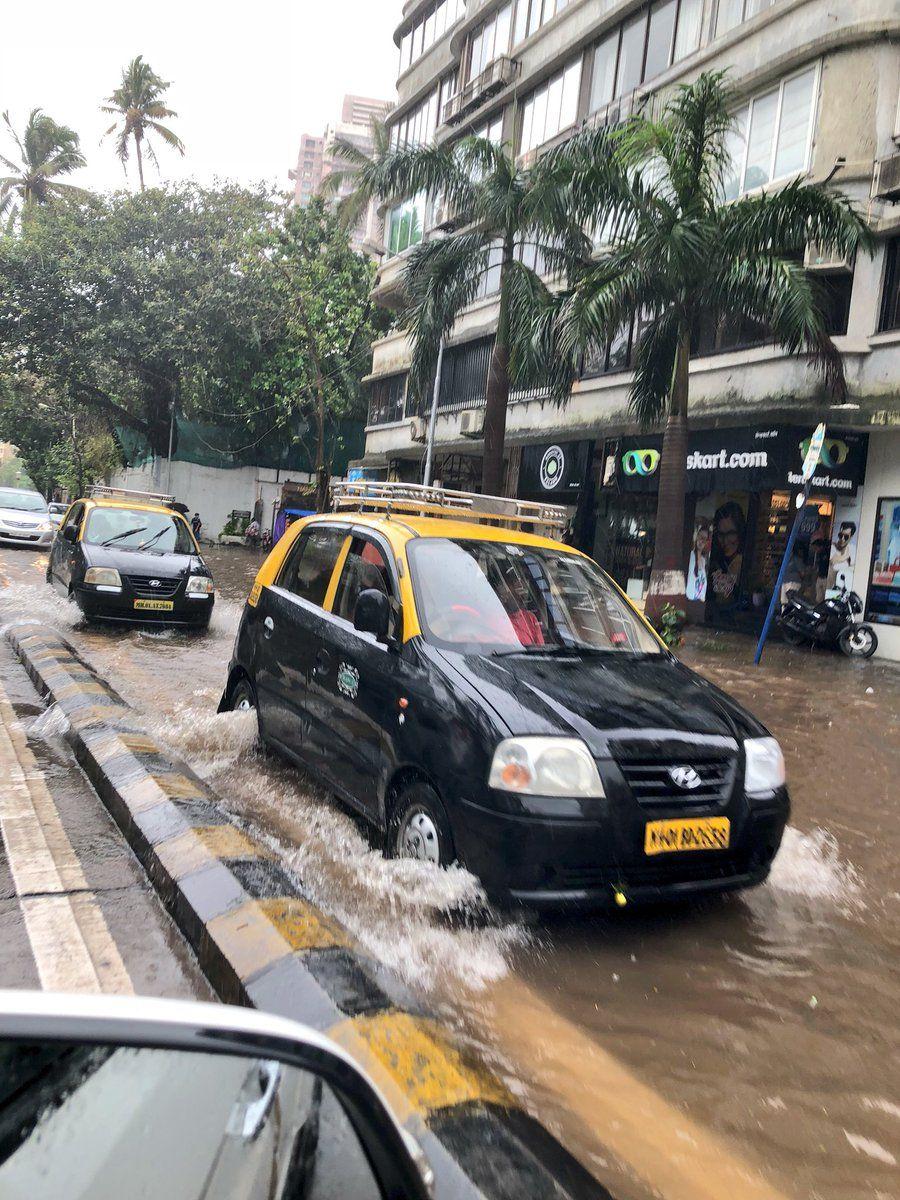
{"x":654,"y":366}
{"x":785,"y":221}
{"x":168,"y":136}
{"x":537,"y":360}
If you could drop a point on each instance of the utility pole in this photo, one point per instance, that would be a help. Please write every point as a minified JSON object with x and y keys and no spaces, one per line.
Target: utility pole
{"x":429,"y":451}
{"x":171,"y":439}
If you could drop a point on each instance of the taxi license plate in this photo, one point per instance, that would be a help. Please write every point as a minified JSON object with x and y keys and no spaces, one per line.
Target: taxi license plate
{"x":699,"y":833}
{"x":156,"y":605}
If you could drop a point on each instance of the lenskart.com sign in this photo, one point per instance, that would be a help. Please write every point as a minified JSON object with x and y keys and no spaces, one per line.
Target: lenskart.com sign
{"x":747,"y":460}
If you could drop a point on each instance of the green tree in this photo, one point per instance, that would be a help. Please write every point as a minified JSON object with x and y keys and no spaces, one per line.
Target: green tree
{"x":501,"y":215}
{"x":674,"y":250}
{"x":313,"y":364}
{"x":138,"y":104}
{"x":133,"y":305}
{"x":47,"y":150}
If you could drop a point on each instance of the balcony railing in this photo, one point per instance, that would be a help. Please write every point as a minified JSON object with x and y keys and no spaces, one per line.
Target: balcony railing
{"x":492,"y":79}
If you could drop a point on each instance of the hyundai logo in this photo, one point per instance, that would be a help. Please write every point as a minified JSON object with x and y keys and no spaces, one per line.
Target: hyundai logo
{"x":685,"y":778}
{"x":155,"y":582}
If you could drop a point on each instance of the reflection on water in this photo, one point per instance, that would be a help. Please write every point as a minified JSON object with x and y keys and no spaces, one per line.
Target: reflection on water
{"x":769,"y":1018}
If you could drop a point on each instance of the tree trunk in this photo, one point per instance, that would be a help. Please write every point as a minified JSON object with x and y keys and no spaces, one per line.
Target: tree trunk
{"x":667,"y":578}
{"x":140,"y":161}
{"x":497,"y":396}
{"x":321,"y":470}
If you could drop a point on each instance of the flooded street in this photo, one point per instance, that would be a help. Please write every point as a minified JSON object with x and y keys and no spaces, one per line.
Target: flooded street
{"x":753,"y":1040}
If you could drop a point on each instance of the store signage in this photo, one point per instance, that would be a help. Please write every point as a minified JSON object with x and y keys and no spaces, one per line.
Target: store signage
{"x":748,"y":460}
{"x":557,"y":471}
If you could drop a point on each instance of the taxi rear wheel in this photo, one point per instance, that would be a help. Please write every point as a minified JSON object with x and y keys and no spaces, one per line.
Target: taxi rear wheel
{"x":243,"y":698}
{"x":420,"y":828}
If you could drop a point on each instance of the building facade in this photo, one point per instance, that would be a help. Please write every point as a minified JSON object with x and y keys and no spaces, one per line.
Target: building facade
{"x":315,"y":161}
{"x":818,"y":99}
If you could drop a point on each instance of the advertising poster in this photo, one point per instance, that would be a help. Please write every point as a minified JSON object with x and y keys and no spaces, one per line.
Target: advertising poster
{"x":884,"y":588}
{"x":842,"y":557}
{"x":726,"y":557}
{"x":701,"y":545}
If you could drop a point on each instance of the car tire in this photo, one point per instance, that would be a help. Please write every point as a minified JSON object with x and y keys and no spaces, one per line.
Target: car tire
{"x":243,"y":696}
{"x":420,"y":828}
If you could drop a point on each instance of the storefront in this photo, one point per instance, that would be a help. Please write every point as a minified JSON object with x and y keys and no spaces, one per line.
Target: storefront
{"x":878,"y":577}
{"x":741,"y":488}
{"x":561,"y":473}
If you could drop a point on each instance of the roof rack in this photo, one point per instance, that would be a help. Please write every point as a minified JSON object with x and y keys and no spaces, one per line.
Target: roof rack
{"x":102,"y":492}
{"x":442,"y":502}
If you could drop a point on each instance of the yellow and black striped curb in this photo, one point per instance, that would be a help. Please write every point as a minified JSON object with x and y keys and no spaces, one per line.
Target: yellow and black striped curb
{"x":261,"y":943}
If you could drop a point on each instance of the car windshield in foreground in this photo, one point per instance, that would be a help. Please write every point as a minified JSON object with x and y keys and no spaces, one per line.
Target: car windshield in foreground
{"x":502,"y":598}
{"x":23,"y":501}
{"x":139,"y":529}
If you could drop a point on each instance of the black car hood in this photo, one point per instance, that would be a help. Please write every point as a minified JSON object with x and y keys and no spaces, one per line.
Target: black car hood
{"x":599,"y":697}
{"x":143,"y":562}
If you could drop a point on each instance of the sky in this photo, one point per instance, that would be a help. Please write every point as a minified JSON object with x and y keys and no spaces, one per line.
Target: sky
{"x":246,"y":80}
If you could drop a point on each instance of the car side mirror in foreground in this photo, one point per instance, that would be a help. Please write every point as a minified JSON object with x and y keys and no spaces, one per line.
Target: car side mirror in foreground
{"x":105,"y":1097}
{"x":372,"y":613}
{"x":70,"y":533}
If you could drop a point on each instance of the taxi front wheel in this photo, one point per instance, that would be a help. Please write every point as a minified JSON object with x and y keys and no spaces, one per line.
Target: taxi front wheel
{"x":419,"y":827}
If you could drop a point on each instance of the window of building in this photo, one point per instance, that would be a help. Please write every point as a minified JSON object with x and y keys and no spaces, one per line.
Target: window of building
{"x":551,"y":108}
{"x":890,"y":301}
{"x":406,"y":224}
{"x":734,"y":12}
{"x":447,"y":89}
{"x":430,"y":27}
{"x":643,"y":47}
{"x":387,"y":398}
{"x":772,"y":138}
{"x":532,"y":14}
{"x":416,"y":128}
{"x":489,"y":41}
{"x":836,"y":290}
{"x":464,"y":374}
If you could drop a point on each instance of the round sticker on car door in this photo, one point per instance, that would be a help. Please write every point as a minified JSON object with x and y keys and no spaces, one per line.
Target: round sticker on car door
{"x":348,"y":680}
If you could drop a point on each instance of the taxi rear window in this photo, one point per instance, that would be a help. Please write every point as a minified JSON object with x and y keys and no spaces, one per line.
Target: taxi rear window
{"x":496,"y":597}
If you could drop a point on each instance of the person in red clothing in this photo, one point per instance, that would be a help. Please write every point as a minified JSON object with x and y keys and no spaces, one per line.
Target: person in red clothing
{"x":515,"y":599}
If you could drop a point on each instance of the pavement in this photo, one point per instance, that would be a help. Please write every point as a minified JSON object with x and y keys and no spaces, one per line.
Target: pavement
{"x":77,"y":912}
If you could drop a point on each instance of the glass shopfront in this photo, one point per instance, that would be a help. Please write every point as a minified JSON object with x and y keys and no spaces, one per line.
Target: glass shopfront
{"x":738,"y":511}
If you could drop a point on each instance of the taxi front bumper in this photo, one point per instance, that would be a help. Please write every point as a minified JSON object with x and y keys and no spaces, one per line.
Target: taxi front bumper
{"x":120,"y":606}
{"x":546,"y":863}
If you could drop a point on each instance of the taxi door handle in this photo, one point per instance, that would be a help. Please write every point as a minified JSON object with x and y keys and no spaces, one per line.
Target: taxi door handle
{"x":322,"y":661}
{"x":269,"y":627}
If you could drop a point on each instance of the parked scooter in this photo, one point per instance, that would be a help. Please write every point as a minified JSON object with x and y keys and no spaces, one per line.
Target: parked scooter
{"x":834,"y":622}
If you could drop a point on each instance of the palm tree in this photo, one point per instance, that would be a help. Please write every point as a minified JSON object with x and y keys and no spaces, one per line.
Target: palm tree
{"x":676,"y":250}
{"x":138,"y":102}
{"x":47,"y":151}
{"x":499,"y":216}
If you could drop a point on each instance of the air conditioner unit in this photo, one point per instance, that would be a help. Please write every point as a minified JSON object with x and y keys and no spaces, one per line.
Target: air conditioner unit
{"x":887,"y":178}
{"x":418,"y":430}
{"x":816,"y":259}
{"x":471,"y":422}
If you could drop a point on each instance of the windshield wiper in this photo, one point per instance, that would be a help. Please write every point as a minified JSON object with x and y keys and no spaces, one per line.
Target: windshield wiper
{"x":150,"y":541}
{"x":128,"y":533}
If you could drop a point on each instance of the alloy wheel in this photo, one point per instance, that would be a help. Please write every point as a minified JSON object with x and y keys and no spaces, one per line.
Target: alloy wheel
{"x":419,"y":838}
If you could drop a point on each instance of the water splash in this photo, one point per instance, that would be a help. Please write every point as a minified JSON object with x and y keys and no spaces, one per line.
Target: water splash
{"x":52,"y":723}
{"x":810,"y":865}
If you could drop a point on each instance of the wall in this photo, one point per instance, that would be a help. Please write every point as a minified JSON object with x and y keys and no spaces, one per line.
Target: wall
{"x":212,"y":491}
{"x":882,"y":479}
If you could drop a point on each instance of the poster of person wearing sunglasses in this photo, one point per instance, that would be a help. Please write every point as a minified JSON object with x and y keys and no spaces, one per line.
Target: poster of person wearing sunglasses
{"x":842,"y":555}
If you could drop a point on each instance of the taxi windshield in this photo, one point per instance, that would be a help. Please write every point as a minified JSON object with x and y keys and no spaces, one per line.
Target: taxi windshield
{"x":501,"y":598}
{"x":139,"y":529}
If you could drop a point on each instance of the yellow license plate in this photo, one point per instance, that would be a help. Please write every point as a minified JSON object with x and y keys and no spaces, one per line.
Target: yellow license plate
{"x":156,"y":605}
{"x":697,"y":833}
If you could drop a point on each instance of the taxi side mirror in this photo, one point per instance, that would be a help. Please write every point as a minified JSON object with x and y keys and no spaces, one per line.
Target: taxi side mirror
{"x":70,"y":533}
{"x":372,"y":613}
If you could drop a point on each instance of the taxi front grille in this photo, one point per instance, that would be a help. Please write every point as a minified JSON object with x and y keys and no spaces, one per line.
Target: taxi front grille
{"x":695,"y":778}
{"x":152,"y":587}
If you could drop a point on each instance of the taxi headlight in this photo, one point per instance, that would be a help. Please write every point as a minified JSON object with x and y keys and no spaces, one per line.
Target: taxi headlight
{"x":199,"y":585}
{"x":103,"y":577}
{"x":545,"y":766}
{"x":764,"y":770}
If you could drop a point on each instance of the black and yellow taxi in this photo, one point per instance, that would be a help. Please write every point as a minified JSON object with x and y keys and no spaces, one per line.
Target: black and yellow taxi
{"x":131,"y":556}
{"x":485,"y":695}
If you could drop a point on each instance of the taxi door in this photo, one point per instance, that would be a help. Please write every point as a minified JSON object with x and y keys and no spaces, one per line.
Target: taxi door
{"x":356,"y":682}
{"x":288,"y":616}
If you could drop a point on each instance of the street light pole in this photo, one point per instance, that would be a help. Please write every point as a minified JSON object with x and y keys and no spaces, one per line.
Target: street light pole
{"x":429,"y":451}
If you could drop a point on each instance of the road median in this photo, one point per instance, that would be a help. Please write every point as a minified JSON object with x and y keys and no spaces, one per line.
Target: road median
{"x":262,"y":943}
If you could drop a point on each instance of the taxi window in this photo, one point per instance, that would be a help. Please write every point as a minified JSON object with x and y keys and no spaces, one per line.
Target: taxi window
{"x":73,"y":519}
{"x":310,"y":564}
{"x":365,"y":567}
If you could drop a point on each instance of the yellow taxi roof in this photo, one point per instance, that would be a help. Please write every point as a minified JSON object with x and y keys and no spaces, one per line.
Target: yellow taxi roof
{"x":444,"y":527}
{"x":124,"y":502}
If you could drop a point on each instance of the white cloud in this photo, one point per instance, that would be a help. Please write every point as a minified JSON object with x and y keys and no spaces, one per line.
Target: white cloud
{"x":247,"y":79}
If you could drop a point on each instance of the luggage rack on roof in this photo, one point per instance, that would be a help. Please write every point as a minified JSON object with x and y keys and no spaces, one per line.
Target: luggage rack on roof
{"x":442,"y":502}
{"x":101,"y":492}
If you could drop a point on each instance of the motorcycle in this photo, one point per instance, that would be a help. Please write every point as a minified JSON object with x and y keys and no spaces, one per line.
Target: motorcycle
{"x":833,"y":622}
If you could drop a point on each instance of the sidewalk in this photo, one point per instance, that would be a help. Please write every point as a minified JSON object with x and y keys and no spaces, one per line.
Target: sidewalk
{"x":77,"y":913}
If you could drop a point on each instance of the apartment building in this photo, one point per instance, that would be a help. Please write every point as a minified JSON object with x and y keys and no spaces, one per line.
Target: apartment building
{"x":817,"y":89}
{"x":315,"y":161}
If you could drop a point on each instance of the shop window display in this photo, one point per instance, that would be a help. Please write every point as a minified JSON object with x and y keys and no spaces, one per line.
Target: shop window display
{"x":883,"y":602}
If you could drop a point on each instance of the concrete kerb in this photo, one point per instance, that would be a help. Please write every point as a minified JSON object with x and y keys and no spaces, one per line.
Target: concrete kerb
{"x":263,"y":944}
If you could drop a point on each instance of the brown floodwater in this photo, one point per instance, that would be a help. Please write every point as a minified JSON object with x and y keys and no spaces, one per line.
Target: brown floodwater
{"x":735,"y":1049}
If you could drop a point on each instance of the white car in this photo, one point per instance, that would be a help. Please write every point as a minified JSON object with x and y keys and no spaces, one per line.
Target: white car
{"x":25,"y":518}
